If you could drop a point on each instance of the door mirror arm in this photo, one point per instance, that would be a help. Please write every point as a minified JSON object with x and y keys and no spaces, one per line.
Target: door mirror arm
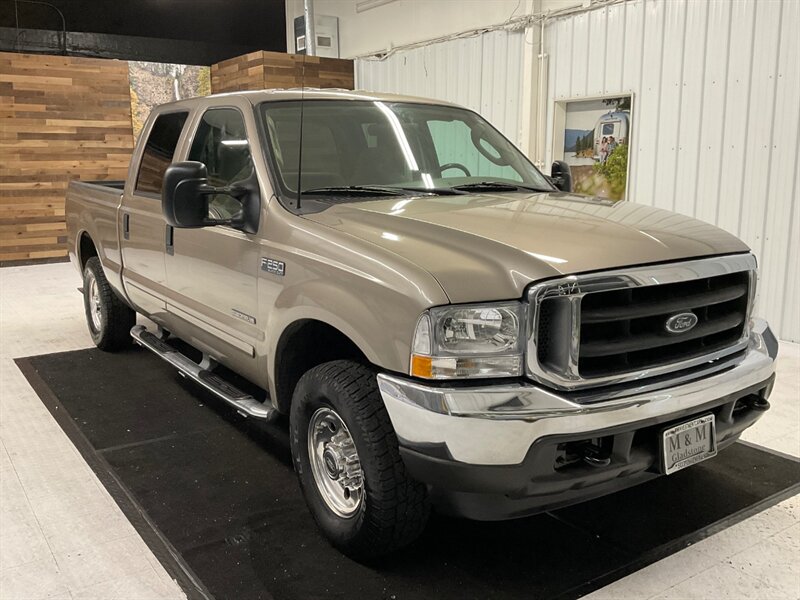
{"x":234,"y":191}
{"x":186,"y":192}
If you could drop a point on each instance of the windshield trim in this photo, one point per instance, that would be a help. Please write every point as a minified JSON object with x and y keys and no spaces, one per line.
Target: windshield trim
{"x":289,"y":198}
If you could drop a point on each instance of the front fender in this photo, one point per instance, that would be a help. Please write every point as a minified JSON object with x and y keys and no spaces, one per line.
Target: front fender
{"x":371,"y":295}
{"x":380,"y":328}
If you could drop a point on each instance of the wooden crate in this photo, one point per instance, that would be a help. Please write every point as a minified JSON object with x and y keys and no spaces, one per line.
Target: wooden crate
{"x":271,"y":70}
{"x":61,"y":118}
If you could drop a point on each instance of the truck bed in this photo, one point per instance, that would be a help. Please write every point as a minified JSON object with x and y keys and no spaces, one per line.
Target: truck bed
{"x":92,"y":208}
{"x":117,"y":184}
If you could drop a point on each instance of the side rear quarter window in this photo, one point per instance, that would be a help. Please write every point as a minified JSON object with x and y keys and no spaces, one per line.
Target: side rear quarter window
{"x":158,"y":151}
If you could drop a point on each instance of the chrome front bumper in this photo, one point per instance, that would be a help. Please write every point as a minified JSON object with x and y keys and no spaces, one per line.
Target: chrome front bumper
{"x":497,"y":425}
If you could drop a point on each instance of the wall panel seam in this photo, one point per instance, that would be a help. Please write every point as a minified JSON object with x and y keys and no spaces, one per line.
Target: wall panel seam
{"x":702,"y":106}
{"x":746,"y":127}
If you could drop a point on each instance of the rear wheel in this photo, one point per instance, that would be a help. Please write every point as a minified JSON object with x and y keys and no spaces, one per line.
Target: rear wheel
{"x":346,"y":457}
{"x":109,"y":318}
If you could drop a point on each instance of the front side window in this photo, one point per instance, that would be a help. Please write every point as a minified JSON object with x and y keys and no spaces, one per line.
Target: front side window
{"x":405,"y":146}
{"x":221,"y":145}
{"x":158,"y":151}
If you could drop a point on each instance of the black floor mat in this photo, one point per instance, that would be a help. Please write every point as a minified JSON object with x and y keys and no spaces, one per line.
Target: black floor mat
{"x":214,"y":495}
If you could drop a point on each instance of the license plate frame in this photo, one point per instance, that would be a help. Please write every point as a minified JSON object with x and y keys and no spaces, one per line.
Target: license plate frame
{"x":687,"y":444}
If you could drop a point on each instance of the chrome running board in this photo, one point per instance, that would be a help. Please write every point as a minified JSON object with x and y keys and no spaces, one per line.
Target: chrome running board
{"x":244,"y":403}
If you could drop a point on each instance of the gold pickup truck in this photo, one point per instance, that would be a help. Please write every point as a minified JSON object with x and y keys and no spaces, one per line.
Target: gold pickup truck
{"x":444,"y":325}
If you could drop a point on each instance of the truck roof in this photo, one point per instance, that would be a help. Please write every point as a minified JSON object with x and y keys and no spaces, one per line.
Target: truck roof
{"x":257,"y":96}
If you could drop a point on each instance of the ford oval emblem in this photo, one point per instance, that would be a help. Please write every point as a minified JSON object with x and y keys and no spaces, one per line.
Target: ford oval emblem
{"x":681,"y":322}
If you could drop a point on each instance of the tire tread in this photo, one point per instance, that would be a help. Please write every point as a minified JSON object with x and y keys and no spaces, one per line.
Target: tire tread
{"x":120,"y":318}
{"x":398,"y":505}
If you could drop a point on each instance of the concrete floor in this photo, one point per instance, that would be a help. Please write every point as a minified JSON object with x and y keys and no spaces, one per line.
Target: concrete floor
{"x":62,"y":536}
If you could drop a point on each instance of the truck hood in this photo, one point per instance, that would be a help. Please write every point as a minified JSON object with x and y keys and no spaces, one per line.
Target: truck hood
{"x":491,"y":246}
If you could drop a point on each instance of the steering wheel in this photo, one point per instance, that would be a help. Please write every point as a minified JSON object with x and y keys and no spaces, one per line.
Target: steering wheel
{"x":458,"y":166}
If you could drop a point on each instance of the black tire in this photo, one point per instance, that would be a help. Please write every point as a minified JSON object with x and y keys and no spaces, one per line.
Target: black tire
{"x":395,"y":508}
{"x":116,"y":318}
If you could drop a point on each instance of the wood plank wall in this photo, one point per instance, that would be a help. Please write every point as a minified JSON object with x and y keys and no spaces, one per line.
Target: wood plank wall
{"x":241,"y":73}
{"x":61,"y":118}
{"x":270,"y":70}
{"x":65,"y":118}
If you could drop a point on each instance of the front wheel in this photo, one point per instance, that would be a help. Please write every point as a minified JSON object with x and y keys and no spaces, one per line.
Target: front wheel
{"x":348,"y":463}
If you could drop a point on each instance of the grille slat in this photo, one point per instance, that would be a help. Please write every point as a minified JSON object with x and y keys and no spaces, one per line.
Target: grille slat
{"x":602,"y":314}
{"x":624,"y":330}
{"x":656,"y":340}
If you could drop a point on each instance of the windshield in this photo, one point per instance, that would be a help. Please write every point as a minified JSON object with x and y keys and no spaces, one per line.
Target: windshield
{"x":402,"y":146}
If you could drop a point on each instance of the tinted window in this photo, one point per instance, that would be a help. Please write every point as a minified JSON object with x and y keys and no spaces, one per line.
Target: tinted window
{"x":362,"y":143}
{"x":158,"y":151}
{"x":221,"y":144}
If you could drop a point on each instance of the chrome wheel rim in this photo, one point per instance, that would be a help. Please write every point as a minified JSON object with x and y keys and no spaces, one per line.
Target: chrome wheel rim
{"x":335,"y":463}
{"x":94,"y":303}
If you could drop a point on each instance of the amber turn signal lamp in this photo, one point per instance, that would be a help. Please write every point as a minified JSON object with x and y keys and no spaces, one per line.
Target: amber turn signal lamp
{"x":421,"y":366}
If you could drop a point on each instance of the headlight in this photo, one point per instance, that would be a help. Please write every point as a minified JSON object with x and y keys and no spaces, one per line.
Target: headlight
{"x":483,"y":340}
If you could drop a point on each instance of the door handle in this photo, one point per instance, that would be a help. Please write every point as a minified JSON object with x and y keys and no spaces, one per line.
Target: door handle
{"x":126,"y":226}
{"x":169,"y":239}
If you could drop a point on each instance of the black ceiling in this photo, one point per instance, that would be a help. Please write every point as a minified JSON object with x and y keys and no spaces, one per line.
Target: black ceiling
{"x":221,"y":27}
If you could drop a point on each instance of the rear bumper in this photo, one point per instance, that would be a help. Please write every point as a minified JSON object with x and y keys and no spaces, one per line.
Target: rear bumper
{"x":495,"y":452}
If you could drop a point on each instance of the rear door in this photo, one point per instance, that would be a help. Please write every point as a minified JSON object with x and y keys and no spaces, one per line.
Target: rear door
{"x":142,"y":224}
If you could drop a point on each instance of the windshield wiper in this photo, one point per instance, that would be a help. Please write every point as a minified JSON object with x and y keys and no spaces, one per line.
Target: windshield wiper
{"x":354,"y":190}
{"x":496,"y":186}
{"x":379,"y":190}
{"x":439,"y":191}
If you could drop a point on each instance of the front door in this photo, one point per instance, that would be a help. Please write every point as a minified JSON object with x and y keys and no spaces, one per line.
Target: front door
{"x":213,"y":272}
{"x":141,"y":219}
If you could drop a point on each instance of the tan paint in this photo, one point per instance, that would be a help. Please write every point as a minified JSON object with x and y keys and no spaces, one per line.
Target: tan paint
{"x":490,"y":247}
{"x":367,"y":268}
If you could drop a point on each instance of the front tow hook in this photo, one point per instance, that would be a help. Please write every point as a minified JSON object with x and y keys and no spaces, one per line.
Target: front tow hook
{"x":594,"y":456}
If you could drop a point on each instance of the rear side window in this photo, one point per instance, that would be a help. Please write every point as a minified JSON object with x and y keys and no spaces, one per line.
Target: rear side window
{"x":158,"y":151}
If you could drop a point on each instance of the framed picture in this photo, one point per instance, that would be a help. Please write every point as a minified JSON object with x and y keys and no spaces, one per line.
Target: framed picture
{"x":592,"y":136}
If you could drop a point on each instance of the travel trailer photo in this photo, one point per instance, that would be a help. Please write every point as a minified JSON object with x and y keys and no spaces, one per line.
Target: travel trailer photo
{"x":596,"y":134}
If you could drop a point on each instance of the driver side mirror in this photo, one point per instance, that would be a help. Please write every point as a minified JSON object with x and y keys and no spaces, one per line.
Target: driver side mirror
{"x":185,"y":195}
{"x":561,"y":176}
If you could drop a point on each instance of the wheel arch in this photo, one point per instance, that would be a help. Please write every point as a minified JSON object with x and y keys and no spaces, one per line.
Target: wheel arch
{"x":304,"y":344}
{"x":86,"y":248}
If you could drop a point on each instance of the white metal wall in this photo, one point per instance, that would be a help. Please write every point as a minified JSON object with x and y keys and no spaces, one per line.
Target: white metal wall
{"x":716,"y":117}
{"x":483,"y":73}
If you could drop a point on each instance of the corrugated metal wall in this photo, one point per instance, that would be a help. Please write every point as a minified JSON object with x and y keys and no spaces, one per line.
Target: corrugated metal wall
{"x":483,"y":73}
{"x":716,"y":117}
{"x":716,"y":121}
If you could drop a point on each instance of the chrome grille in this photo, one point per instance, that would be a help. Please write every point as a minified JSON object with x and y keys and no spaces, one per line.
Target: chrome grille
{"x":609,"y":327}
{"x":625,"y":330}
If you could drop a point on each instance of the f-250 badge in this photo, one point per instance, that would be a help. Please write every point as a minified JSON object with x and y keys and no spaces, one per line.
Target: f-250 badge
{"x":276,"y":267}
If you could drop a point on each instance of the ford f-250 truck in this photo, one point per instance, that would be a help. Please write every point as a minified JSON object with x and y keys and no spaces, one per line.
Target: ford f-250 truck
{"x":444,"y":325}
